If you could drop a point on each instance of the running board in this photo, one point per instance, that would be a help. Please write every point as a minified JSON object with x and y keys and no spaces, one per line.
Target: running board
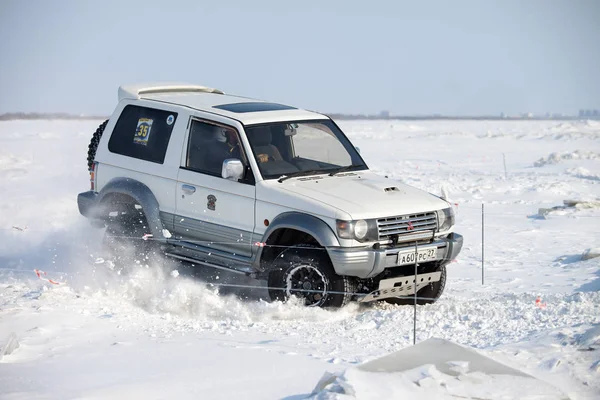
{"x":248,"y":272}
{"x":401,"y":286}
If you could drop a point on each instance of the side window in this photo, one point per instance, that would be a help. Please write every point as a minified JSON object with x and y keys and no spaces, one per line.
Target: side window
{"x":209,"y":145}
{"x":142,"y":133}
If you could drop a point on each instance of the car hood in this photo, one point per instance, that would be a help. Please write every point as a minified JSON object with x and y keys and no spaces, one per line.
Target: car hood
{"x":364,"y":194}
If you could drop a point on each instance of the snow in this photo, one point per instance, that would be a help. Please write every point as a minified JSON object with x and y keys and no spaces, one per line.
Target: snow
{"x":427,"y":382}
{"x":430,"y":370}
{"x":156,"y":333}
{"x":11,"y":345}
{"x":555,"y":158}
{"x":590,"y":253}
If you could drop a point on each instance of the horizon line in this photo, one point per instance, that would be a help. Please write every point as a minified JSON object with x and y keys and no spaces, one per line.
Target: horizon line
{"x":12,"y":116}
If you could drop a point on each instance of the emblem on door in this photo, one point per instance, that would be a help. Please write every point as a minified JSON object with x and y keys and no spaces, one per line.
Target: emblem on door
{"x":212,"y":201}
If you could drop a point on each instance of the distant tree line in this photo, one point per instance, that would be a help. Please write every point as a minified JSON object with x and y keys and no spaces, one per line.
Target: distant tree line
{"x":22,"y":115}
{"x":454,"y":117}
{"x":34,"y":116}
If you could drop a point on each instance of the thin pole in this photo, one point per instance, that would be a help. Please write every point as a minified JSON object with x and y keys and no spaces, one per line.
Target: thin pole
{"x":415,"y":298}
{"x":482,"y":246}
{"x":504,"y":160}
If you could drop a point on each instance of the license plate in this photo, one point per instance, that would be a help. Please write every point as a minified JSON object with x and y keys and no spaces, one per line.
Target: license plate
{"x":422,"y":255}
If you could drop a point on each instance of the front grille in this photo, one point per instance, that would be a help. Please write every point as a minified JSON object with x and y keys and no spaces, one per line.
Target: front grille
{"x":407,"y":227}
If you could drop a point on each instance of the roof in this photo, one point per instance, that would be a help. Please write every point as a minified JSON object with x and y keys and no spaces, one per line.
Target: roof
{"x":202,"y":98}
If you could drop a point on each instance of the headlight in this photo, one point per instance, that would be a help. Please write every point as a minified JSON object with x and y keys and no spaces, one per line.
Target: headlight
{"x":445,"y":219}
{"x":441,"y":219}
{"x":360,"y":230}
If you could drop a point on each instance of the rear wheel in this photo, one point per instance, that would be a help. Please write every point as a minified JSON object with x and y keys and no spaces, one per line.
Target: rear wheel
{"x":123,"y":242}
{"x":307,"y":273}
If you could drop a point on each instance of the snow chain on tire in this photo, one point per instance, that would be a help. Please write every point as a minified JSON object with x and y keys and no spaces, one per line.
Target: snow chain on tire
{"x":94,"y":144}
{"x":297,"y":256}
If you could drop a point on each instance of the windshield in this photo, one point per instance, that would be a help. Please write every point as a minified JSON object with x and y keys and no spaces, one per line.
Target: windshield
{"x":302,"y":148}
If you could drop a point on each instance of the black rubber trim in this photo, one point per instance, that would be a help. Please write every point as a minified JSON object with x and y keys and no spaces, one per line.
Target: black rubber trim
{"x":455,"y":243}
{"x":257,"y":106}
{"x":85,"y":202}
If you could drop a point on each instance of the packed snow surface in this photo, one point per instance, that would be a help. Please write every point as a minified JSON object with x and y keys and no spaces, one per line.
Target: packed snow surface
{"x":159,"y":333}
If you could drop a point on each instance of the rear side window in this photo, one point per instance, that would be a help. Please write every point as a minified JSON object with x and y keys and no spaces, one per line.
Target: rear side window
{"x":142,"y":133}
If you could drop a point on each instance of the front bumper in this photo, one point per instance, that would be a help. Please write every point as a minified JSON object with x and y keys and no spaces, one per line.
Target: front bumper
{"x":369,"y":262}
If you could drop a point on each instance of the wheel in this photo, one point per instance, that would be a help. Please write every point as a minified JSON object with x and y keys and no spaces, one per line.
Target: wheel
{"x":429,"y":294}
{"x":123,"y":242}
{"x":94,"y":144}
{"x":307,"y":273}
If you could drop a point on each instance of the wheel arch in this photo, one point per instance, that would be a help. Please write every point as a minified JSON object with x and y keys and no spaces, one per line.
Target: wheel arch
{"x":308,"y":228}
{"x":126,"y":188}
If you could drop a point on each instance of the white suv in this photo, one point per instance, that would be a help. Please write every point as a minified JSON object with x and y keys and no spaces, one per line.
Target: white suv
{"x":264,"y":189}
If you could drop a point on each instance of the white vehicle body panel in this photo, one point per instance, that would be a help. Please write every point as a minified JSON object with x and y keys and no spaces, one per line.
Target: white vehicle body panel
{"x":272,"y":200}
{"x":206,"y":210}
{"x":136,"y":91}
{"x":202,"y":101}
{"x":231,"y":213}
{"x":160,"y":177}
{"x":362,"y":195}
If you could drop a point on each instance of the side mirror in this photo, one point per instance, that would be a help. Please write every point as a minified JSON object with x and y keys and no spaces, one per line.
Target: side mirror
{"x":290,"y":129}
{"x":357,"y":149}
{"x":232,"y":169}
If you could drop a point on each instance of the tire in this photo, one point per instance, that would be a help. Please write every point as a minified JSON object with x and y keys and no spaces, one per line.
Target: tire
{"x":309,"y":269}
{"x":94,"y":144}
{"x":123,"y":244}
{"x":429,"y":294}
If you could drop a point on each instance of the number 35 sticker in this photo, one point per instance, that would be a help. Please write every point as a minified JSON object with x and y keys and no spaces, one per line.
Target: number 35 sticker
{"x":142,"y":132}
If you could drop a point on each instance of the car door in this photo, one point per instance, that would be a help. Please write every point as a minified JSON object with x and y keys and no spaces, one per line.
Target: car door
{"x":214,"y":212}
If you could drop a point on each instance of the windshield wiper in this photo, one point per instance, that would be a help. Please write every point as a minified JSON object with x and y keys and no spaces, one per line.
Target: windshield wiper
{"x":342,"y":169}
{"x":300,"y":173}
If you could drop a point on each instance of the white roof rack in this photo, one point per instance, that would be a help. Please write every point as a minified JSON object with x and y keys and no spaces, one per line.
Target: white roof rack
{"x":136,"y":91}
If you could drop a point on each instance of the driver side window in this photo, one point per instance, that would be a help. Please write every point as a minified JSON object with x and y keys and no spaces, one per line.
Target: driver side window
{"x":209,"y":145}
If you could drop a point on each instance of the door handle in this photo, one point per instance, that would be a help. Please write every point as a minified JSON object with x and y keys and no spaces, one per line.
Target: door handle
{"x":188,"y":189}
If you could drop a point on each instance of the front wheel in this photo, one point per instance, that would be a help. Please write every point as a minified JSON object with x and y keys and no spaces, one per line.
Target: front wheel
{"x":307,"y":273}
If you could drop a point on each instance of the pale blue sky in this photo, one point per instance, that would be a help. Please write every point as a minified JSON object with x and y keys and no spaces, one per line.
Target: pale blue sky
{"x":418,"y":57}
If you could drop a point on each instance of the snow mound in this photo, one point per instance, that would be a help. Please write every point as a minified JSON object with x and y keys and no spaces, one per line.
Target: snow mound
{"x":590,"y":339}
{"x":585,"y":129}
{"x":12,"y":166}
{"x":435,"y":368}
{"x":591,"y":253}
{"x":426,"y":382}
{"x":12,"y":161}
{"x":493,"y":135}
{"x":11,"y":345}
{"x":576,"y":125}
{"x":583,"y":173}
{"x":555,"y":158}
{"x":570,"y":207}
